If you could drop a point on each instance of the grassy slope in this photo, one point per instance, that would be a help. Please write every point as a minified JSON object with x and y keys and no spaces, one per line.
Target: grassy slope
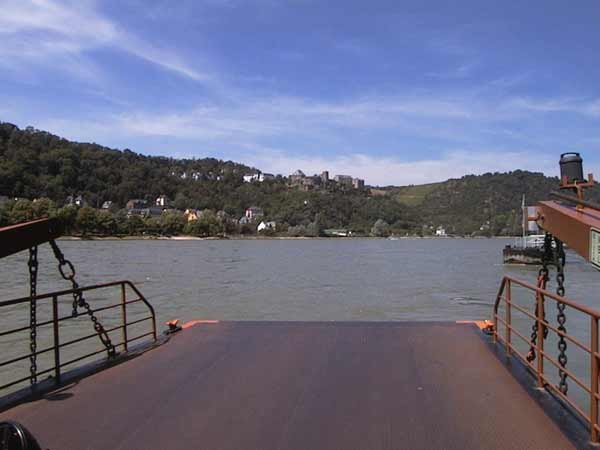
{"x":410,"y":195}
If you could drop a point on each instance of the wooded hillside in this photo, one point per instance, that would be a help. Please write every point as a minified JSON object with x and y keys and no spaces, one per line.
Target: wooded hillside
{"x":36,"y":164}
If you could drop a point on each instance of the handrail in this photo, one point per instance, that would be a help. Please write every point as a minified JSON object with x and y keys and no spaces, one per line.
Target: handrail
{"x":56,"y":321}
{"x":584,"y":309}
{"x":591,"y":386}
{"x":71,"y":291}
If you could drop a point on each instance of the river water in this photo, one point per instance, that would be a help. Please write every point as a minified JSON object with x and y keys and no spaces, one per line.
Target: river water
{"x":292,"y":280}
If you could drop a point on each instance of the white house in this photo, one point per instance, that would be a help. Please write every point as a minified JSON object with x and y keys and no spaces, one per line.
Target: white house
{"x":163,"y":201}
{"x":260,"y":177}
{"x":441,"y":231}
{"x":266,"y":226}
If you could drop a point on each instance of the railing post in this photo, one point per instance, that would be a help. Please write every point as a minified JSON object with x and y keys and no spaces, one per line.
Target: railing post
{"x":56,"y":339}
{"x":594,"y":381}
{"x":495,"y":318}
{"x":124,"y":314}
{"x":508,"y":318}
{"x":539,"y":316}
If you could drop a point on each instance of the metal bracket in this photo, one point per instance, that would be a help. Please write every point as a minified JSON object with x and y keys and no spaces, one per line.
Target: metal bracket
{"x":16,"y":238}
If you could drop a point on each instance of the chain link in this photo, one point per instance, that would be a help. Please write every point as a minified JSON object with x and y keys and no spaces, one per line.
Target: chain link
{"x":559,"y":260}
{"x":79,"y":300}
{"x":542,"y":281}
{"x":33,"y":271}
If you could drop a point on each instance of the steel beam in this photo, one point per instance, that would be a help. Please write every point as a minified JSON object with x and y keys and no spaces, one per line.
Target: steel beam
{"x":575,"y":227}
{"x":19,"y":237}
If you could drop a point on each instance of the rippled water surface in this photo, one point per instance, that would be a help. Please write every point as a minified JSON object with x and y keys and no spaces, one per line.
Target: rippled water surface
{"x":323,"y":280}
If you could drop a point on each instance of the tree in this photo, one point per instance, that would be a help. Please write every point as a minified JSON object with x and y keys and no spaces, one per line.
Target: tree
{"x":44,"y":207}
{"x":181,"y":201}
{"x":86,"y":221}
{"x":21,"y":211}
{"x":107,"y":223}
{"x":380,"y":228}
{"x":67,"y":217}
{"x":312,"y":230}
{"x":134,"y":225}
{"x":172,"y":223}
{"x":207,"y":225}
{"x":297,"y":231}
{"x":3,"y":217}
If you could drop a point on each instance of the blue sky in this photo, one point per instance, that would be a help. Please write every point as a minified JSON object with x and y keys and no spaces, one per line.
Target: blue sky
{"x":396,"y":92}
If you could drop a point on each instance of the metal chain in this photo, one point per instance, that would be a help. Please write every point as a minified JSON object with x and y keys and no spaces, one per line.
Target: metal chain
{"x":79,"y":300}
{"x":559,"y":260}
{"x":542,"y":281}
{"x":33,"y":271}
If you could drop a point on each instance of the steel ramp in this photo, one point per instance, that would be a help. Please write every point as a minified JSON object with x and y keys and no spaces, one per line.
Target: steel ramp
{"x":304,"y":386}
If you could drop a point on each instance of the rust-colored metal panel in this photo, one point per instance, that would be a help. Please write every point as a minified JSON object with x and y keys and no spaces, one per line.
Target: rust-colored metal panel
{"x":19,"y":237}
{"x":571,"y":225}
{"x":299,"y":386}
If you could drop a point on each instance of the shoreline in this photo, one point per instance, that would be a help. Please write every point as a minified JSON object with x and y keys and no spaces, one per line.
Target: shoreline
{"x":259,"y":238}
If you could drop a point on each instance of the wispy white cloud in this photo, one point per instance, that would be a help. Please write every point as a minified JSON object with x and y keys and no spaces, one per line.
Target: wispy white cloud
{"x":251,"y":118}
{"x":46,"y":31}
{"x":278,"y":115}
{"x":582,"y":106}
{"x":244,"y":119}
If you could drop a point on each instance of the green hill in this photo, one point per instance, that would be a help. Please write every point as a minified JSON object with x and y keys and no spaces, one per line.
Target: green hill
{"x":36,"y":164}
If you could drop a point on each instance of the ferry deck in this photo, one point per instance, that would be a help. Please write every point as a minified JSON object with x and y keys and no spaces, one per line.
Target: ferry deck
{"x":274,"y":385}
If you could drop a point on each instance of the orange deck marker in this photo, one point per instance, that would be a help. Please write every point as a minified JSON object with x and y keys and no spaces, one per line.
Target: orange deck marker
{"x":198,"y":322}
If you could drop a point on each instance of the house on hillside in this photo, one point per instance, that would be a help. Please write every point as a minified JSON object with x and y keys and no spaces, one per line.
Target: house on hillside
{"x":136,"y":204}
{"x":440,"y":231}
{"x":75,"y":201}
{"x":162,"y":201}
{"x":254,"y":212}
{"x":107,"y":204}
{"x":192,"y":214}
{"x":263,"y":226}
{"x":135,"y":207}
{"x":260,"y":177}
{"x":152,"y":211}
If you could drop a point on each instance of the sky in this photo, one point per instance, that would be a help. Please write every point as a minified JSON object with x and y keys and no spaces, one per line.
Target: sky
{"x":395,"y":92}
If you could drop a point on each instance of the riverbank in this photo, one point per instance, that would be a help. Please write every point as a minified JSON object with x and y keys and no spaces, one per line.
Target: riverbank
{"x":260,"y":238}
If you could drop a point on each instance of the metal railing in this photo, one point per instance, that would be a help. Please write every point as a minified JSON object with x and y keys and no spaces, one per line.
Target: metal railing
{"x":537,"y":366}
{"x":56,"y":321}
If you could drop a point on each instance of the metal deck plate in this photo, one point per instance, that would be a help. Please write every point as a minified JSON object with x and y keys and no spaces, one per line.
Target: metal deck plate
{"x":273,"y":385}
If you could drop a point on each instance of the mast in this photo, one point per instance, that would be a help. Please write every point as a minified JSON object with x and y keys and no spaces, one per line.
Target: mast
{"x":524,"y":221}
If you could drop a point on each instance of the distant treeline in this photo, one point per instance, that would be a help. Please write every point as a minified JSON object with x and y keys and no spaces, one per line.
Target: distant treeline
{"x":88,"y":221}
{"x":38,"y":165}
